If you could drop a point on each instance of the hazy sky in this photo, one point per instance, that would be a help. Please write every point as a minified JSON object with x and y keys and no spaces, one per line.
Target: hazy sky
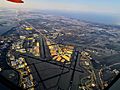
{"x":100,"y":6}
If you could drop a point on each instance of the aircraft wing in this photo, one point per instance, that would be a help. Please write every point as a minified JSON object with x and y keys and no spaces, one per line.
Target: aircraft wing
{"x":16,"y":1}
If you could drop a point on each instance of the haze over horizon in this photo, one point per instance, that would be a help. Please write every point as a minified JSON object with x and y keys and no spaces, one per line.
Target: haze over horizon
{"x":101,"y":7}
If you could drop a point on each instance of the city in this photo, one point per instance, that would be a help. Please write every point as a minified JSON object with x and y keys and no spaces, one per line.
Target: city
{"x":57,"y":53}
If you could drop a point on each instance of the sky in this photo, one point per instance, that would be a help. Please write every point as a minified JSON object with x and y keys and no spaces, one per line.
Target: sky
{"x":99,"y":6}
{"x":96,"y":7}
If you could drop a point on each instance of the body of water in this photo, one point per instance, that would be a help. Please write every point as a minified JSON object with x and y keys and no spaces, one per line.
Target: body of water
{"x":109,"y":19}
